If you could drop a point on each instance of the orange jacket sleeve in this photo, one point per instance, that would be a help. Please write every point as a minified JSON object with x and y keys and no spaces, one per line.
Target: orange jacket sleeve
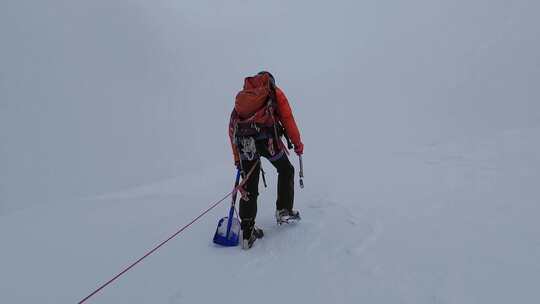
{"x":231,"y":137}
{"x":286,"y":117}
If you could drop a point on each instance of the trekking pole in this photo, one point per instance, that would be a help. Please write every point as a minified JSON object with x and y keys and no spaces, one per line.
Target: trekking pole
{"x":301,"y":173}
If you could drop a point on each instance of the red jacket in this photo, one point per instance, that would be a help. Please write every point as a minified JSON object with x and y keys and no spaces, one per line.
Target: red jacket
{"x":284,"y":115}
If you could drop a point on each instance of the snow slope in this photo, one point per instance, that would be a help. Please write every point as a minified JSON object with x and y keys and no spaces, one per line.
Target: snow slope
{"x":420,"y":121}
{"x":447,"y":223}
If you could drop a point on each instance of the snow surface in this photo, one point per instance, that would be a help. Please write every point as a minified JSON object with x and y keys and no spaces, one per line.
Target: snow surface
{"x":420,"y":120}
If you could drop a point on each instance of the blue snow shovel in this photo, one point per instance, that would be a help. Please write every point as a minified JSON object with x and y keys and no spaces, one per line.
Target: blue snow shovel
{"x":228,"y":229}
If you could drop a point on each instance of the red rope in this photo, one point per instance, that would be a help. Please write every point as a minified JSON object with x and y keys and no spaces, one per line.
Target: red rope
{"x":155,"y":248}
{"x":244,"y":180}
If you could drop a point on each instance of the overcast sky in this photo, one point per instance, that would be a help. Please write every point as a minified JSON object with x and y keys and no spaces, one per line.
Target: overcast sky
{"x":97,"y":96}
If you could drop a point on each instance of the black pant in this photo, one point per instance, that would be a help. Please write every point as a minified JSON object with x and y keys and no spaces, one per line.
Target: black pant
{"x":270,"y":149}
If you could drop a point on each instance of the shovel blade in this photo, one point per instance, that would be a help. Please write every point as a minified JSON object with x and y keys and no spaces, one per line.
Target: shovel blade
{"x":231,"y":239}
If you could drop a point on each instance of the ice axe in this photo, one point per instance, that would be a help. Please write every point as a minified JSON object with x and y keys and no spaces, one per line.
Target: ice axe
{"x":228,"y":229}
{"x":301,"y":173}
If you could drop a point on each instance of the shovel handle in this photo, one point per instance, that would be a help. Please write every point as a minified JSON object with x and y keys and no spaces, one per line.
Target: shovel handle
{"x":231,"y":211}
{"x":235,"y":191}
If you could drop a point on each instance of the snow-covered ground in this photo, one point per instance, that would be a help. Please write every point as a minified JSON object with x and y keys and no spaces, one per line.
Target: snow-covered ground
{"x":448,"y":223}
{"x":420,"y":121}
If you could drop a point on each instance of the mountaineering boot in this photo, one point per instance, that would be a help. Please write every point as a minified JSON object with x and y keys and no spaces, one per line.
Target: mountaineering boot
{"x":249,"y":239}
{"x":248,"y":242}
{"x":284,"y":216}
{"x":250,"y":233}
